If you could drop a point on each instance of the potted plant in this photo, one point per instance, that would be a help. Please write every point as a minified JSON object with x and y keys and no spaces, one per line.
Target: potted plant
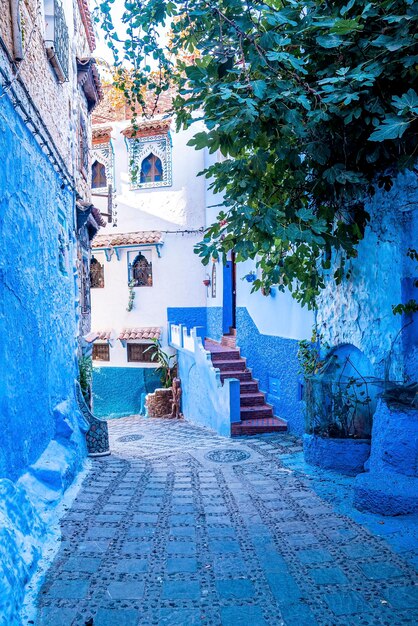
{"x":250,"y":277}
{"x":339,"y":407}
{"x":159,"y":403}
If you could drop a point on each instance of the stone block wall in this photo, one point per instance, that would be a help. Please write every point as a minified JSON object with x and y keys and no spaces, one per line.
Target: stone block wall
{"x":59,"y":104}
{"x":159,"y":403}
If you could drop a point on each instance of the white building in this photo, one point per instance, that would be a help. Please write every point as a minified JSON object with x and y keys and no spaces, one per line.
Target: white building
{"x":143,"y":261}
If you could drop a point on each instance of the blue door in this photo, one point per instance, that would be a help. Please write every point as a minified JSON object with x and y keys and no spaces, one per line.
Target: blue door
{"x":228,"y":306}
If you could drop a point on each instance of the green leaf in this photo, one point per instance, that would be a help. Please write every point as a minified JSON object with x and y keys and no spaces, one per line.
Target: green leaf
{"x":392,"y":127}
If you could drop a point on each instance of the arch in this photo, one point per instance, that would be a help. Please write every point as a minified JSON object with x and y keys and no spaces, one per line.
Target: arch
{"x":142,"y":271}
{"x":98,"y":175}
{"x":151,"y":169}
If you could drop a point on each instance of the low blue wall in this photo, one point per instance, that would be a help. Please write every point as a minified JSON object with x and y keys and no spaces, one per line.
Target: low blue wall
{"x":189,"y":316}
{"x":214,"y":322}
{"x":272,"y":359}
{"x":117,"y":390}
{"x":274,"y":363}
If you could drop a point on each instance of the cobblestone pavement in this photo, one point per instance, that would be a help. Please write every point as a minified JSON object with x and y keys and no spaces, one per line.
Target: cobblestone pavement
{"x":180,"y":527}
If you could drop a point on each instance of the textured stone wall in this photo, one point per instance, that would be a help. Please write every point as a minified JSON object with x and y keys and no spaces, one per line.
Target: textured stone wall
{"x":359,"y":312}
{"x":159,"y":403}
{"x":117,"y":391}
{"x":59,"y":104}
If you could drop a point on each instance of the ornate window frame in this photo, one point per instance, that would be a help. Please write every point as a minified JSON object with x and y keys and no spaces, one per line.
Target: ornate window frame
{"x":103,"y":153}
{"x":141,"y":147}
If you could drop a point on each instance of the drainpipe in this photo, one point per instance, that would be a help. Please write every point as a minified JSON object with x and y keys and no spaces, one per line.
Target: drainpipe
{"x":16,"y":30}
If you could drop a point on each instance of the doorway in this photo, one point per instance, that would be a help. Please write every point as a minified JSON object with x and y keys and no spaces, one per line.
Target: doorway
{"x":229,"y":296}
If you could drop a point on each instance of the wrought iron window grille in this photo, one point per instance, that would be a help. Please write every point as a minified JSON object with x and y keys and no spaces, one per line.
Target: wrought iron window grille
{"x":57,"y":39}
{"x":140,"y":272}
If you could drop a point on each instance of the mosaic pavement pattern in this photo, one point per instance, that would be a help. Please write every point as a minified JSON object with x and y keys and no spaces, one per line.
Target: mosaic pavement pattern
{"x":161,"y":535}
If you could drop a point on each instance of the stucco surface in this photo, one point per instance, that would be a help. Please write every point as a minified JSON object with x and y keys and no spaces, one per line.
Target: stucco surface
{"x":37,"y":315}
{"x":346,"y":456}
{"x":395,"y":441}
{"x":189,"y":316}
{"x":359,"y":311}
{"x":272,"y":357}
{"x":117,"y":391}
{"x":205,"y":400}
{"x":214,"y":322}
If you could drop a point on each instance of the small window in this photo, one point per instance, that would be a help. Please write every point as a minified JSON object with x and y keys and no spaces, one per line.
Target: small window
{"x":101,"y":352}
{"x":141,"y":352}
{"x":151,"y":169}
{"x":96,"y":274}
{"x":141,"y":272}
{"x":98,"y":175}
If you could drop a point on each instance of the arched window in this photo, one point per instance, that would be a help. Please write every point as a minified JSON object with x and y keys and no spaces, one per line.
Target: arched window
{"x":141,"y":272}
{"x":96,"y":274}
{"x":151,"y":169}
{"x":98,"y":175}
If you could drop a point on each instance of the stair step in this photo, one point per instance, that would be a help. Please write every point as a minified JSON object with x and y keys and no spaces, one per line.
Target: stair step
{"x":241,"y":375}
{"x":224,"y":355}
{"x":228,"y":365}
{"x":252,"y":399}
{"x":261,"y":411}
{"x":248,"y":386}
{"x":258,"y":426}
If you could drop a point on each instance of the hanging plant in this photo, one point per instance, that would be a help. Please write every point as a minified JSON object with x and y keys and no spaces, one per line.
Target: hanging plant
{"x":250,"y":277}
{"x":131,"y":286}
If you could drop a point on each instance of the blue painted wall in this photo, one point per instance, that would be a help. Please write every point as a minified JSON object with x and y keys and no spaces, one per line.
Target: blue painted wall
{"x":37,"y":311}
{"x":205,"y":401}
{"x":274,"y":363}
{"x":272,"y":359}
{"x":214,"y":322}
{"x":189,"y":316}
{"x":117,"y":390}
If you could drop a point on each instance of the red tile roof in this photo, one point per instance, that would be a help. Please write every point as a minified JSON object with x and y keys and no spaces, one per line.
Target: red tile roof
{"x":148,"y":128}
{"x":83,"y":7}
{"x":100,"y":335}
{"x":140,"y":333}
{"x":127,"y":239}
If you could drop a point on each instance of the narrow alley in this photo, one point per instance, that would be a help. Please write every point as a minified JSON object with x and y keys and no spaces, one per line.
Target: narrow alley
{"x":182,"y":527}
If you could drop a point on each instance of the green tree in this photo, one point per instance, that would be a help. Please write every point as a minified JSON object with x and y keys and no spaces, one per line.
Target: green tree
{"x":311,"y":103}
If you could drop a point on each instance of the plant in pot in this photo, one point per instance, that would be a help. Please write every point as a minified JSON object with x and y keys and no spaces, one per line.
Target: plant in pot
{"x":159,"y":403}
{"x":339,"y":407}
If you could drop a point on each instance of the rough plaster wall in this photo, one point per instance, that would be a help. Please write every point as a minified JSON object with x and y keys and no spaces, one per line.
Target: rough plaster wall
{"x":276,"y":357}
{"x":189,"y":316}
{"x":214,"y":322}
{"x":204,"y":400}
{"x":37,"y":353}
{"x":359,"y":311}
{"x":118,"y":390}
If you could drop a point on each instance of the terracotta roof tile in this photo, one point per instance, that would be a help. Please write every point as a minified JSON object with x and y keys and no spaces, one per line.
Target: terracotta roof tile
{"x":145,"y":332}
{"x":100,"y":335}
{"x":127,"y":239}
{"x":83,"y":7}
{"x":147,"y":128}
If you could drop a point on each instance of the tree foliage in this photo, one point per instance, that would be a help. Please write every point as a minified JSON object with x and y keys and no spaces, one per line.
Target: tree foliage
{"x":311,"y":104}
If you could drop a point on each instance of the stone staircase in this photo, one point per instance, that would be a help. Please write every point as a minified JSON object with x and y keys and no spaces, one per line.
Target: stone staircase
{"x":256,"y":416}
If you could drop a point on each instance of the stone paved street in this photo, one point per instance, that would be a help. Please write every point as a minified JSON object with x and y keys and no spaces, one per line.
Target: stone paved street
{"x":181,"y":527}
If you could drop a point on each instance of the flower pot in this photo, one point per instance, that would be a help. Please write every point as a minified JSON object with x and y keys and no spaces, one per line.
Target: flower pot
{"x":206,"y":282}
{"x":250,"y":278}
{"x":345,"y":456}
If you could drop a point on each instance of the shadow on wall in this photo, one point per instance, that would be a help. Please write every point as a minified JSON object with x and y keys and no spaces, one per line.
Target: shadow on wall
{"x":117,"y":391}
